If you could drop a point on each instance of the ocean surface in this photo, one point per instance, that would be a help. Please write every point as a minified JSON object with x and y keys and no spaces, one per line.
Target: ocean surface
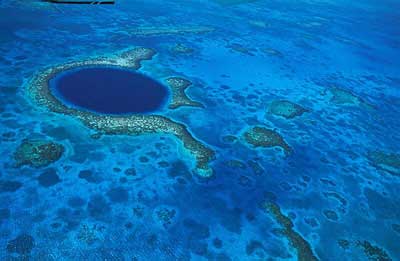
{"x":298,"y":101}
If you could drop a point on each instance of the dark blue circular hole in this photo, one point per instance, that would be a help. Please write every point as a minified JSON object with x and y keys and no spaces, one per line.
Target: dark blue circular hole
{"x":109,"y":90}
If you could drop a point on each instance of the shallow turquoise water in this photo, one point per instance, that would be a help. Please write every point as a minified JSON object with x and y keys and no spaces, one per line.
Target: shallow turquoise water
{"x":120,"y":197}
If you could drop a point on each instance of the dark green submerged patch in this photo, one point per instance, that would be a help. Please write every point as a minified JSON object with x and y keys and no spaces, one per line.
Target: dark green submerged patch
{"x":267,"y":138}
{"x":38,"y":153}
{"x":341,"y":96}
{"x":389,"y":162}
{"x":373,"y":252}
{"x":22,"y":244}
{"x":286,"y":109}
{"x":40,"y":93}
{"x":303,"y":248}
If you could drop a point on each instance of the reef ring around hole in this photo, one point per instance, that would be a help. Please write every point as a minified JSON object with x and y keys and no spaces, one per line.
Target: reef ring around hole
{"x":39,"y":91}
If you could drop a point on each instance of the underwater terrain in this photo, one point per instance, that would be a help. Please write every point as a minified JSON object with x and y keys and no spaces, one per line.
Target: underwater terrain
{"x":200,"y":130}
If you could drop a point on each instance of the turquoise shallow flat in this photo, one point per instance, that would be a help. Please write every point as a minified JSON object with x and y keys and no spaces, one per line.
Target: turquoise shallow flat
{"x":200,"y":130}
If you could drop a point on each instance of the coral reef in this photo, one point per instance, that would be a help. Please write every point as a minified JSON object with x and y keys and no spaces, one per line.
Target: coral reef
{"x":344,"y":97}
{"x":303,"y":248}
{"x":137,"y":125}
{"x":336,"y":196}
{"x":241,"y":49}
{"x":389,"y":162}
{"x":373,"y":252}
{"x":87,"y":234}
{"x":229,"y":139}
{"x":331,"y":215}
{"x":39,"y":92}
{"x":182,"y":49}
{"x":263,"y":137}
{"x":234,"y":163}
{"x":38,"y":87}
{"x":38,"y":153}
{"x":286,"y":109}
{"x":255,"y":167}
{"x":343,"y":243}
{"x":179,"y":97}
{"x":166,"y":216}
{"x":272,"y":52}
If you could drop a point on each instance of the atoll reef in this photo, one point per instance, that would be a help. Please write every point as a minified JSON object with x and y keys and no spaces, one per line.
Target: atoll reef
{"x":39,"y":90}
{"x":266,"y":138}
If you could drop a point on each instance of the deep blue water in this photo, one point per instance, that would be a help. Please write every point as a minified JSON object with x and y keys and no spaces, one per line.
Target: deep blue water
{"x":108,"y":197}
{"x":110,"y":90}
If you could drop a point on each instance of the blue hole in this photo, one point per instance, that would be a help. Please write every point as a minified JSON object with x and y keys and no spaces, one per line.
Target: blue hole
{"x":109,"y":90}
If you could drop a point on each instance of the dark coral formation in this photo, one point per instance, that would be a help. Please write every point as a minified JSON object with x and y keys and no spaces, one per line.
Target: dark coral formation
{"x":87,"y":234}
{"x":272,"y":52}
{"x":166,"y":216}
{"x":389,"y":162}
{"x":331,"y":215}
{"x":182,"y":49}
{"x":241,"y":49}
{"x":256,"y":248}
{"x":255,"y":167}
{"x":286,"y":109}
{"x":236,"y":164}
{"x":38,"y":153}
{"x":344,"y":243}
{"x":336,"y":196}
{"x":39,"y":91}
{"x":303,"y":248}
{"x":4,"y":214}
{"x":9,"y":186}
{"x":267,"y":138}
{"x":98,"y":207}
{"x":229,"y":139}
{"x":396,"y":228}
{"x":48,"y":178}
{"x":118,"y":195}
{"x":22,"y":244}
{"x":179,"y":97}
{"x":197,"y":231}
{"x":373,"y":252}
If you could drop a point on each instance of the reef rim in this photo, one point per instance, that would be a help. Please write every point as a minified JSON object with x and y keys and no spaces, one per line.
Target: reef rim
{"x":38,"y":90}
